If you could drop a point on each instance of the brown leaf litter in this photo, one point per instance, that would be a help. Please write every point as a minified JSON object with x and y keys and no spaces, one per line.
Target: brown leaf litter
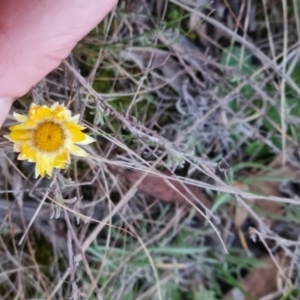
{"x":263,"y":281}
{"x":160,"y":186}
{"x":264,"y":186}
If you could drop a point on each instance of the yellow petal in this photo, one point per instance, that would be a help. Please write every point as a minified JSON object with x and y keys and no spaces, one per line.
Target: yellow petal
{"x":36,"y":173}
{"x":22,"y":126}
{"x":71,"y":125}
{"x":57,"y":113}
{"x":28,"y":151}
{"x":22,"y":157}
{"x":40,"y":168}
{"x":61,"y":113}
{"x":61,"y":159}
{"x":7,"y":137}
{"x":17,"y":127}
{"x":75,"y":119}
{"x":54,"y":106}
{"x":76,"y":136}
{"x":17,"y":148}
{"x":76,"y":150}
{"x":39,"y":113}
{"x":20,"y":118}
{"x":68,"y":114}
{"x":88,"y":140}
{"x":48,"y":166}
{"x":61,"y":166}
{"x":19,"y":136}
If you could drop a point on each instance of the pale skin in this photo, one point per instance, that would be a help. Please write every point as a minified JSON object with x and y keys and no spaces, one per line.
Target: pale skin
{"x":36,"y":35}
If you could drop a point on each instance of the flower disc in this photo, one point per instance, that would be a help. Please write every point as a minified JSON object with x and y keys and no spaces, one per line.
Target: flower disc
{"x":48,"y":137}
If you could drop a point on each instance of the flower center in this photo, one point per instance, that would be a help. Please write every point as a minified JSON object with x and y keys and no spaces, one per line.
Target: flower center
{"x":48,"y":137}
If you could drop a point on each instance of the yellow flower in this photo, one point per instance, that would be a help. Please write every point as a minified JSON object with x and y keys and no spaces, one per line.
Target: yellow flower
{"x":47,"y":136}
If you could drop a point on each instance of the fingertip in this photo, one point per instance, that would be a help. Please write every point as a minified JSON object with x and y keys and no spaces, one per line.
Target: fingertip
{"x":35,"y":36}
{"x":5,"y":105}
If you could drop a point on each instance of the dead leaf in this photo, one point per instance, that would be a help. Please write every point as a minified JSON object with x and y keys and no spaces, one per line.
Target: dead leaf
{"x":260,"y":281}
{"x":158,"y":187}
{"x":272,"y":188}
{"x":269,"y":188}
